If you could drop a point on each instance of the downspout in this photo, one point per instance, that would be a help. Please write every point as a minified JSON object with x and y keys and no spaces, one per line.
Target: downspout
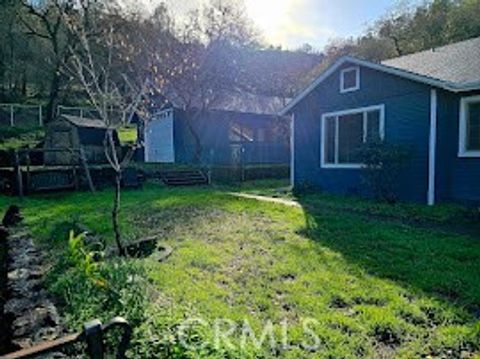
{"x":432,"y":147}
{"x":292,"y":151}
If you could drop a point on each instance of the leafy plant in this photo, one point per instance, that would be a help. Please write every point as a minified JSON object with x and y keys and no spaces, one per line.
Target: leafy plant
{"x":88,"y":289}
{"x":80,"y":257}
{"x":383,"y":162}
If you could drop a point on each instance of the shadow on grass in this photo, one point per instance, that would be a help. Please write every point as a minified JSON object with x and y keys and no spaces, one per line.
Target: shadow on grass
{"x":433,"y":260}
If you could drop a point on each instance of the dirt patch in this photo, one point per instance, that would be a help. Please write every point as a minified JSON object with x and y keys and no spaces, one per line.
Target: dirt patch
{"x":31,"y":315}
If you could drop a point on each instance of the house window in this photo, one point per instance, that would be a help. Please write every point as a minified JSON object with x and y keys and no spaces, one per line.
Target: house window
{"x":469,"y":141}
{"x":345,"y":132}
{"x":350,"y":79}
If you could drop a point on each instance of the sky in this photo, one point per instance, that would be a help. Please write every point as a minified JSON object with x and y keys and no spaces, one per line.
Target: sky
{"x":292,"y":23}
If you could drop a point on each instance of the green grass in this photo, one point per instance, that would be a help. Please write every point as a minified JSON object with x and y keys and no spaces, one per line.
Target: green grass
{"x":17,"y":137}
{"x":376,"y":284}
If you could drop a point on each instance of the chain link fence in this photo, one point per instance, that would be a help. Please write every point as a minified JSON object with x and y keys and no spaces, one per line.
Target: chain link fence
{"x":19,"y":115}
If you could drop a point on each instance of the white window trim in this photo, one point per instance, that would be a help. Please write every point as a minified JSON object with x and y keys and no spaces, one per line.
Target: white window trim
{"x":337,"y":114}
{"x":342,"y":80}
{"x":462,"y":138}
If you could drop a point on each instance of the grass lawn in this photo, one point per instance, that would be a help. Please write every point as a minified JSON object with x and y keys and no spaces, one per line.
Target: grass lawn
{"x":364,"y":280}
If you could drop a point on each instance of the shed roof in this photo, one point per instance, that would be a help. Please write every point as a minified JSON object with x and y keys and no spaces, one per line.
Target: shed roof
{"x":85,"y":122}
{"x":457,"y":63}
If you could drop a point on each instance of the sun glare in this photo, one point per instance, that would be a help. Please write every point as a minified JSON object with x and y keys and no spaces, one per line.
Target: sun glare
{"x":269,"y":16}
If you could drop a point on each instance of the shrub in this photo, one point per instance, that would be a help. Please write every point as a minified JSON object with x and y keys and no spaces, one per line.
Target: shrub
{"x":383,"y":162}
{"x":88,"y":289}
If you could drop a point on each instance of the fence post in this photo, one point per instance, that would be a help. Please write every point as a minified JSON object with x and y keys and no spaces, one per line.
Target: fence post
{"x":18,"y":170}
{"x":11,"y":116}
{"x":40,"y":116}
{"x":28,"y":181}
{"x":94,"y":338}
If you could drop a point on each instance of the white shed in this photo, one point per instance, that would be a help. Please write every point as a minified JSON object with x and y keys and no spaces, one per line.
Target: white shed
{"x":159,"y":141}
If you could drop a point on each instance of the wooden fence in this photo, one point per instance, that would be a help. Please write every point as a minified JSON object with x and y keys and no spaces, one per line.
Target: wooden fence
{"x":45,"y":178}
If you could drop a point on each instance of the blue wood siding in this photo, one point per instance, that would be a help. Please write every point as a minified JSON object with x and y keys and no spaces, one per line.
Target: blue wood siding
{"x":458,"y":179}
{"x":213,"y":130}
{"x":407,"y":121}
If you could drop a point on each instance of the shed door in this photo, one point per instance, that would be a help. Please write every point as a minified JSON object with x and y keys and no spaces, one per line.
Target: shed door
{"x":159,"y":142}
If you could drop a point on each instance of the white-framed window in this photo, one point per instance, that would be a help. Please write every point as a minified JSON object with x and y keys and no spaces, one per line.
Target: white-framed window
{"x":350,"y":79}
{"x":469,"y":139}
{"x":344,"y":132}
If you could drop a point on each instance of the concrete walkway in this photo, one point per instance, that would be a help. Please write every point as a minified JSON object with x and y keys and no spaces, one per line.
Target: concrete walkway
{"x":285,"y":202}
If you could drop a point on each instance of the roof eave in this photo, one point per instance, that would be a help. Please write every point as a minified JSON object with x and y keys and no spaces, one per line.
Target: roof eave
{"x":465,"y":87}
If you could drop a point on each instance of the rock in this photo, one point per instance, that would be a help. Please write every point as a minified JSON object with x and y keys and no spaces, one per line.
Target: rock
{"x":12,"y":216}
{"x":34,"y":317}
{"x":3,"y":234}
{"x":19,"y":305}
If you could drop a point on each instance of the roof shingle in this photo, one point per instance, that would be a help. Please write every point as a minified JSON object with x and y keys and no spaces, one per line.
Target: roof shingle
{"x":457,"y":63}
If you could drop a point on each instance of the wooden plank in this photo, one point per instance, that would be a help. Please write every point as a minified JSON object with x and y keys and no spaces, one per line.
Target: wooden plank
{"x":87,"y":171}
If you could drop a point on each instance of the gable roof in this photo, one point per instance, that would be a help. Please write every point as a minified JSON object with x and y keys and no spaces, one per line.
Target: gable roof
{"x":457,"y":63}
{"x":406,"y":67}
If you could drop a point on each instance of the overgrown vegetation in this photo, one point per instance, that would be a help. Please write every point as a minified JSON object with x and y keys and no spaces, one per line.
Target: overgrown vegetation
{"x":378,"y":286}
{"x":383,"y":163}
{"x":17,"y":137}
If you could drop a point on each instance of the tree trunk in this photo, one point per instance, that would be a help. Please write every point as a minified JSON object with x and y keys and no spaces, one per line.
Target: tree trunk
{"x":53,"y":96}
{"x":396,"y":43}
{"x":115,"y":212}
{"x":24,"y":84}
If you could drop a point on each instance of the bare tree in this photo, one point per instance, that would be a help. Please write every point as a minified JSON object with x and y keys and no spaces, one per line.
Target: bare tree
{"x":97,"y":62}
{"x":196,"y":65}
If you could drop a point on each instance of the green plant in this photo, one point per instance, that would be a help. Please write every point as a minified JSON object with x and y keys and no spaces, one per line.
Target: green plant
{"x":87,"y":289}
{"x":383,"y":162}
{"x":80,"y":257}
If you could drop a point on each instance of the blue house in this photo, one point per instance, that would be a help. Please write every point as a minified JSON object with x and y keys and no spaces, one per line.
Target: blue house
{"x":428,"y":101}
{"x":241,"y":130}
